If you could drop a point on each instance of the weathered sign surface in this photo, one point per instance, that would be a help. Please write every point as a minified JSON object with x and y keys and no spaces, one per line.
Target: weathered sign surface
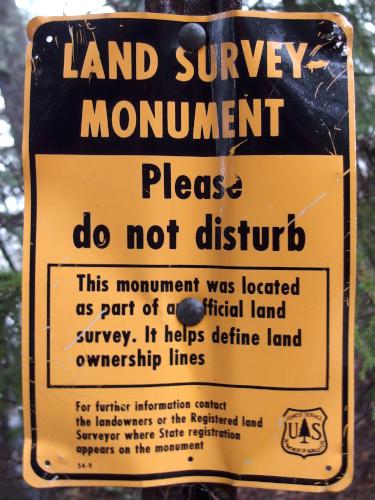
{"x":225,"y":175}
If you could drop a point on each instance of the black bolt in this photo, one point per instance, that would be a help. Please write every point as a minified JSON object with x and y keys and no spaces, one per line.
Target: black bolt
{"x":190,"y":312}
{"x":192,"y":37}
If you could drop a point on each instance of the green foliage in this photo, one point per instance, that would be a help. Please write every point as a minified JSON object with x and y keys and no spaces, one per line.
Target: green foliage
{"x":10,"y":288}
{"x":361,"y":15}
{"x":365,"y":338}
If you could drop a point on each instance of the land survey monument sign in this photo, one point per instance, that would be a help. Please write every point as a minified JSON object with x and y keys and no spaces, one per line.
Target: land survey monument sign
{"x":154,"y":175}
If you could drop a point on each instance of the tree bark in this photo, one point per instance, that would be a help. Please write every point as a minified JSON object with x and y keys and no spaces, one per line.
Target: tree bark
{"x":199,"y":7}
{"x":12,"y":62}
{"x":12,"y":57}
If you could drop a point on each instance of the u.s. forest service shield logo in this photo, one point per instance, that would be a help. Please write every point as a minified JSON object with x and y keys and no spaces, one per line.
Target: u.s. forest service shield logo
{"x":304,"y":432}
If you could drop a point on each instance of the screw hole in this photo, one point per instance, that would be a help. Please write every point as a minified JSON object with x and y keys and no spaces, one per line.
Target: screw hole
{"x":190,"y":459}
{"x":328,"y":468}
{"x":47,"y":463}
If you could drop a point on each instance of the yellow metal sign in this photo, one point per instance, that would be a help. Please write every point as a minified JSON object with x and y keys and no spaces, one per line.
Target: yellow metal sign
{"x":225,"y":175}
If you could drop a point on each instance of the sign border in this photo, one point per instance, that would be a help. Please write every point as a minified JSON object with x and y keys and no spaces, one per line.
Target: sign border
{"x":28,"y":292}
{"x":181,"y":266}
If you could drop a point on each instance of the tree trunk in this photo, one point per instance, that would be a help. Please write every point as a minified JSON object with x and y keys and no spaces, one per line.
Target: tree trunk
{"x":12,"y":57}
{"x":192,"y":6}
{"x":290,"y":5}
{"x":198,"y":491}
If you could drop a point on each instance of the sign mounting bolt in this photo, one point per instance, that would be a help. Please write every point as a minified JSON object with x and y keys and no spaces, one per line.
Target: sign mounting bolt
{"x":190,"y":312}
{"x":192,"y":37}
